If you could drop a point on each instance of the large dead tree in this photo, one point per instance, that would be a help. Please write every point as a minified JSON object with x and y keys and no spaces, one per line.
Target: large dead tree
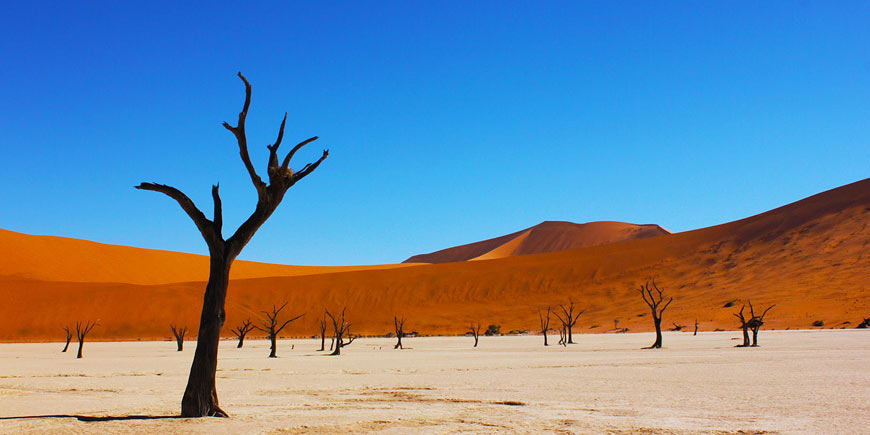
{"x":200,"y":396}
{"x":68,"y":338}
{"x":323,"y":335}
{"x":568,"y":319}
{"x":399,"y":326}
{"x":82,"y":331}
{"x":545,"y":324}
{"x":755,"y":322}
{"x":341,"y":331}
{"x":744,"y":325}
{"x":241,"y":331}
{"x":475,"y":332}
{"x":271,"y":328}
{"x":179,"y":336}
{"x":654,"y":302}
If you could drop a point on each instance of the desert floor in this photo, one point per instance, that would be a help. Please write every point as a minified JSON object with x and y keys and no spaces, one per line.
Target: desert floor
{"x":797,"y":382}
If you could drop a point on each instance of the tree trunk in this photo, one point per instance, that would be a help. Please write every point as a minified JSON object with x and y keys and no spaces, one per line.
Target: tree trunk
{"x":745,"y":336}
{"x":570,"y":338}
{"x":545,"y":338}
{"x":322,"y":341}
{"x":475,"y":340}
{"x":200,"y":397}
{"x":658,"y":343}
{"x":241,"y":341}
{"x":68,"y":338}
{"x":337,"y":350}
{"x":399,"y":343}
{"x":273,"y":339}
{"x":180,"y":342}
{"x":755,"y":337}
{"x":81,"y":344}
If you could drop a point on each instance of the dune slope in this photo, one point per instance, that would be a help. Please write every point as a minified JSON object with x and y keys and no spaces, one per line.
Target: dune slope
{"x":810,"y":258}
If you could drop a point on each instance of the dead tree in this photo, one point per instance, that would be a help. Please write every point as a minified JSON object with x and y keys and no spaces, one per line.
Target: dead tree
{"x":563,"y":336}
{"x":82,"y":332}
{"x":68,"y":338}
{"x":744,"y":325}
{"x":653,"y":301}
{"x":270,"y":327}
{"x":677,"y":327}
{"x":475,"y":332}
{"x":179,"y":336}
{"x":755,"y":322}
{"x":545,"y":324}
{"x":568,"y":319}
{"x":241,"y":331}
{"x":200,"y":396}
{"x":696,"y":328}
{"x":341,"y":330}
{"x":323,"y":335}
{"x":399,"y":326}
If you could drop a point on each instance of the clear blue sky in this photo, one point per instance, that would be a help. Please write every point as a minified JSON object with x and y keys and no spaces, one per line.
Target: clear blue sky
{"x":447,"y":122}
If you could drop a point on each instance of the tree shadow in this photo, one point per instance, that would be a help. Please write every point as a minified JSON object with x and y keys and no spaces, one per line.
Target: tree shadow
{"x":89,"y":418}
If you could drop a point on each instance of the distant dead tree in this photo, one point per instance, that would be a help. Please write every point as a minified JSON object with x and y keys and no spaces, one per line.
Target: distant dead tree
{"x":200,"y":396}
{"x":755,"y":322}
{"x":696,"y":327}
{"x":545,"y":324}
{"x":677,"y":327}
{"x":653,"y":301}
{"x":82,"y":332}
{"x":399,"y":326}
{"x":68,"y":338}
{"x":323,"y":334}
{"x":241,"y":331}
{"x":270,"y":327}
{"x":341,"y":330}
{"x":744,"y":325}
{"x":568,"y":319}
{"x":475,"y":332}
{"x":179,"y":336}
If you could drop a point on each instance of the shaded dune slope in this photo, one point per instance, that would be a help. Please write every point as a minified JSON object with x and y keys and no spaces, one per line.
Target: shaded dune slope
{"x":810,"y":258}
{"x":548,"y":236}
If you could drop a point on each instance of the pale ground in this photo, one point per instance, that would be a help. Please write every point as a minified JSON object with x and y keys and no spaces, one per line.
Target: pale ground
{"x":815,"y":382}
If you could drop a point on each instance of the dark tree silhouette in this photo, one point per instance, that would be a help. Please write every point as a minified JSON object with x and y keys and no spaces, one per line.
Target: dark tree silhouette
{"x":568,"y":319}
{"x":179,"y":336}
{"x":677,"y":327}
{"x":68,"y":338}
{"x":200,"y":396}
{"x":563,"y":336}
{"x":545,"y":324}
{"x":399,"y":326}
{"x":696,"y":327}
{"x":744,"y":325}
{"x":241,"y":331}
{"x":653,"y":301}
{"x":82,"y":332}
{"x":323,"y":335}
{"x":270,"y":327}
{"x":755,"y":322}
{"x":341,"y":330}
{"x":475,"y":332}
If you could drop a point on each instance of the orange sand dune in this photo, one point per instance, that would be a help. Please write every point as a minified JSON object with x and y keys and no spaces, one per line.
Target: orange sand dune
{"x":549,"y":236}
{"x":810,"y":258}
{"x":49,"y":258}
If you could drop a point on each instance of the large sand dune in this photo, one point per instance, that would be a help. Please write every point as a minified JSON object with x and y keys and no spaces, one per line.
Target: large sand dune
{"x":810,"y":258}
{"x":547,"y":236}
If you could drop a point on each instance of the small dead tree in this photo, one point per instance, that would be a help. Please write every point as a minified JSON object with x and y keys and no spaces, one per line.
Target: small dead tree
{"x":341,"y":331}
{"x":68,"y":338}
{"x":200,"y":396}
{"x":82,"y":332}
{"x":475,"y":332}
{"x":270,"y":327}
{"x":179,"y":336}
{"x":568,"y":319}
{"x":563,"y":336}
{"x":399,"y":326}
{"x":241,"y":331}
{"x":323,"y":335}
{"x":744,"y":325}
{"x":545,"y":324}
{"x":696,"y":328}
{"x":654,"y":302}
{"x":755,"y":322}
{"x":677,"y":327}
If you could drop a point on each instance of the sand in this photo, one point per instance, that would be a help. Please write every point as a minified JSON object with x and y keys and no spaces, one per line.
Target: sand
{"x":797,"y":382}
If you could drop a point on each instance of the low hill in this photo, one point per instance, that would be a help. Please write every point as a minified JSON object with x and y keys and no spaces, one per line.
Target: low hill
{"x":548,"y":236}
